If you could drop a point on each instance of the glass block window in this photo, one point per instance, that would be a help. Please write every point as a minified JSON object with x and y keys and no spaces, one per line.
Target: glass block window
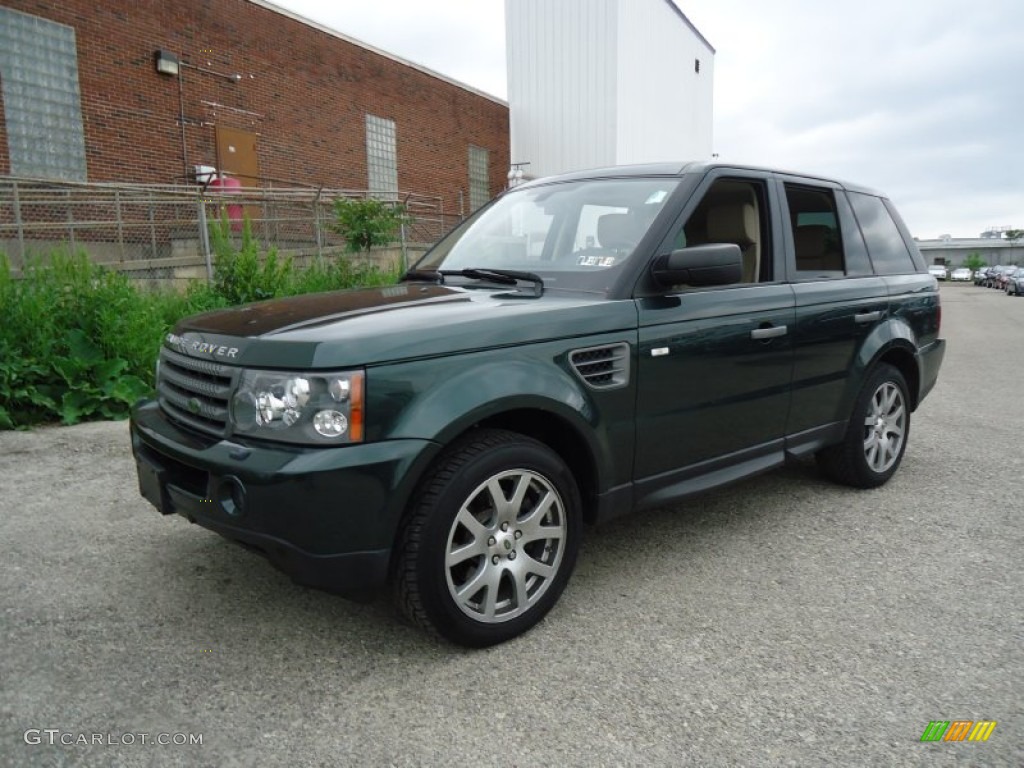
{"x":381,"y":156}
{"x":42,"y":101}
{"x":479,"y":180}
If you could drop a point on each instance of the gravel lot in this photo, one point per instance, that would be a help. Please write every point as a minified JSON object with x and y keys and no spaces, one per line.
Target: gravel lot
{"x":782,"y":621}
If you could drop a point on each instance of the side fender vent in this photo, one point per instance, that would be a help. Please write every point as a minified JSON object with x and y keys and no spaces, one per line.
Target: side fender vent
{"x":602,"y":367}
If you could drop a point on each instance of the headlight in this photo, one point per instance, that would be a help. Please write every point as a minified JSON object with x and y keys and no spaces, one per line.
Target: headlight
{"x":300,"y":407}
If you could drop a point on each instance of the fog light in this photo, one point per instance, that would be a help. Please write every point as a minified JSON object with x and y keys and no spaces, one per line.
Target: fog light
{"x":232,"y":496}
{"x":330,"y":423}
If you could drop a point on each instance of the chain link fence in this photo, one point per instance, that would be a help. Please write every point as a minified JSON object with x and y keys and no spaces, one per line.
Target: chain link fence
{"x":160,"y":233}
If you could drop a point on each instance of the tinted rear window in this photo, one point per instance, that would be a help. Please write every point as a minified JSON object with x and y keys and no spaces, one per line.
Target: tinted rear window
{"x":888,"y":251}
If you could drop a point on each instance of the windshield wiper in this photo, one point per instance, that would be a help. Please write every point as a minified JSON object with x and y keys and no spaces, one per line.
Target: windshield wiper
{"x":500,"y":276}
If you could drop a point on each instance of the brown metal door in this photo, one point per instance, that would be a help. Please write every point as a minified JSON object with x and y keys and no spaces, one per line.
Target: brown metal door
{"x":236,"y":155}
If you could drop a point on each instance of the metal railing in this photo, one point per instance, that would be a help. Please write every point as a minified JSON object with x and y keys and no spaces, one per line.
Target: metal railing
{"x":161,"y":231}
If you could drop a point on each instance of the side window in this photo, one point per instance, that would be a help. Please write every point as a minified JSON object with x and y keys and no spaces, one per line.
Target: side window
{"x":817,"y":239}
{"x":888,"y":252}
{"x":732,"y":211}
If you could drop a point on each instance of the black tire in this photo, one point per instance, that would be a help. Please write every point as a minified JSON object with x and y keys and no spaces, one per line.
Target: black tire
{"x":871,"y":452}
{"x":511,"y":557}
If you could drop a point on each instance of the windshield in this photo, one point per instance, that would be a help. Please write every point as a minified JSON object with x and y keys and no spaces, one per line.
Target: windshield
{"x":575,"y":235}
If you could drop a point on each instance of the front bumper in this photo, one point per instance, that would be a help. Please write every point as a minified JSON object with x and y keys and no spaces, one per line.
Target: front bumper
{"x":325,"y":516}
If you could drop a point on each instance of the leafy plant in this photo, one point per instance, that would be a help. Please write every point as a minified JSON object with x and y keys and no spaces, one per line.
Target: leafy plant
{"x":80,"y":342}
{"x":339,"y":275}
{"x":974,"y":261}
{"x":96,"y":385}
{"x":77,"y":341}
{"x":367,"y":222}
{"x":241,"y":274}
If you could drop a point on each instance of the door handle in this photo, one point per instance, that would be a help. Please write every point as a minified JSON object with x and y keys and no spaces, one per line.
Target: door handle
{"x":868,"y":317}
{"x":771,"y":332}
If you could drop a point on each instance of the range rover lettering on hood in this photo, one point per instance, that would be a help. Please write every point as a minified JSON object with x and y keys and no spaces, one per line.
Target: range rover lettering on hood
{"x":187,"y":346}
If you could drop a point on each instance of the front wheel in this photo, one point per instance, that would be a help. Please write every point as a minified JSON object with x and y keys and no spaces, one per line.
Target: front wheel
{"x":876,"y":436}
{"x":490,"y":541}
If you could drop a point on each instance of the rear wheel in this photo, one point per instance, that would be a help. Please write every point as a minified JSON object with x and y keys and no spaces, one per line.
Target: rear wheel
{"x":876,"y":436}
{"x":491,"y":540}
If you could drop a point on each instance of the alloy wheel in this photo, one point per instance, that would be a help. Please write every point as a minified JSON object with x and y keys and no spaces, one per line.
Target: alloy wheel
{"x":884,"y":427}
{"x":505,"y":546}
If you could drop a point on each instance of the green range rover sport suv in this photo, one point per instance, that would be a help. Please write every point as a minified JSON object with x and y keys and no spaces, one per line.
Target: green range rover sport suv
{"x":581,"y":347}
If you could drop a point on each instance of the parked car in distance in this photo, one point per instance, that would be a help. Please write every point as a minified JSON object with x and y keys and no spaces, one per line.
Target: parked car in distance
{"x":1003,"y":276}
{"x":938,"y":271}
{"x":961,"y":274}
{"x":980,"y":276}
{"x":992,"y":281}
{"x":580,"y":348}
{"x":1015,"y":283}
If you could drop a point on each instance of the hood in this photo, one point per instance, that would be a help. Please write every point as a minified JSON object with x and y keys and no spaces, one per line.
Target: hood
{"x":399,"y":322}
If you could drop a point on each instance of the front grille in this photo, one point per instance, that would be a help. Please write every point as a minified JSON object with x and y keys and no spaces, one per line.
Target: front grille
{"x":195,"y":392}
{"x":602,"y":367}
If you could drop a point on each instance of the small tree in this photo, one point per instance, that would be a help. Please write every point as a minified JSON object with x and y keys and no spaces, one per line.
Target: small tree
{"x":974,"y":261}
{"x":1013,"y":235}
{"x":367,"y":222}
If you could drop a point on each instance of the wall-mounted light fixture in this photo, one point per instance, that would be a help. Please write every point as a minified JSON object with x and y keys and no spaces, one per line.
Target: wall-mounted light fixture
{"x":515,"y":175}
{"x":166,"y":63}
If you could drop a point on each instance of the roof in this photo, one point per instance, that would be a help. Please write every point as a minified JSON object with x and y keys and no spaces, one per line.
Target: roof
{"x":966,"y":243}
{"x":380,"y":52}
{"x":679,"y":168}
{"x":690,"y":24}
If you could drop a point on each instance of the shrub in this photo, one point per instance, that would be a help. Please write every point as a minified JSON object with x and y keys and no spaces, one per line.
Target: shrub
{"x":77,"y":342}
{"x":240,"y":274}
{"x":80,"y":342}
{"x":974,"y":261}
{"x":339,"y":275}
{"x":366,"y":222}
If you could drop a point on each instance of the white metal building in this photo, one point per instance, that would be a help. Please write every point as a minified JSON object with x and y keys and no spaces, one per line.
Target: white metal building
{"x":606,"y":82}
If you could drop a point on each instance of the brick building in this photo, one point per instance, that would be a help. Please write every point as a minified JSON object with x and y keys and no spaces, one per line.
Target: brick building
{"x":269,"y":97}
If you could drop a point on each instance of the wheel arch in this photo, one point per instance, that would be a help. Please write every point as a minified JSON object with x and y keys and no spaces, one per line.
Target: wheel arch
{"x":901,"y":352}
{"x":543,"y":402}
{"x":903,"y":359}
{"x":545,"y":422}
{"x":547,"y":426}
{"x":895,"y":344}
{"x":562,"y":437}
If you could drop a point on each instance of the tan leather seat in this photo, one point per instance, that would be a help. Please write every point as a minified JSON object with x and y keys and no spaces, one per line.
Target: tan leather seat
{"x":737,"y":223}
{"x":814,"y":252}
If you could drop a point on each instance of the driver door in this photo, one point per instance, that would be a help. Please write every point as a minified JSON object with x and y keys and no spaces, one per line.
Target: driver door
{"x":715,"y":364}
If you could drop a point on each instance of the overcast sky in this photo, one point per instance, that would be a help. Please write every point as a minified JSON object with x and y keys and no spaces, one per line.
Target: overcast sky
{"x":923,"y":99}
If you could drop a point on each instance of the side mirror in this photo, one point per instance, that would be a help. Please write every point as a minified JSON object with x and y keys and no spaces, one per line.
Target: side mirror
{"x":700,"y":265}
